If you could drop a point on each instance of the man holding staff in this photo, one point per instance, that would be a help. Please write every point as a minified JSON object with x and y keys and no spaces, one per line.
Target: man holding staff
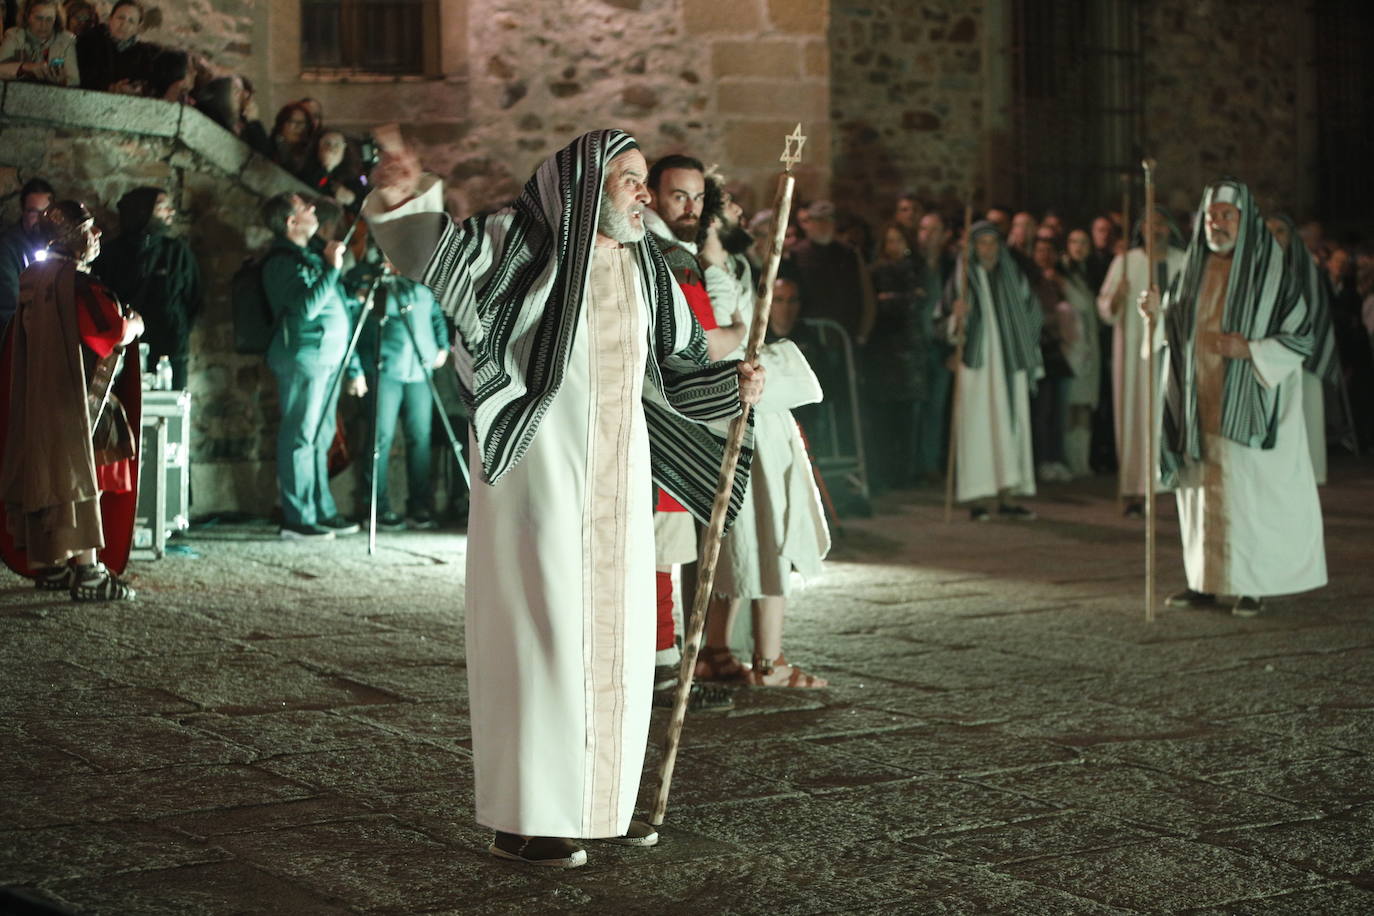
{"x":1237,"y":330}
{"x":587,"y":379}
{"x":1000,"y":366}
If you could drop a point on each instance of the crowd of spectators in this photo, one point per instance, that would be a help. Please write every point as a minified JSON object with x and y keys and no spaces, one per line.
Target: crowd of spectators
{"x":891,"y":291}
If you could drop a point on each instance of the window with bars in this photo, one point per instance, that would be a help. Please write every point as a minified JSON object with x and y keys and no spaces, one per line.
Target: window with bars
{"x":1077,"y":98}
{"x":387,"y":37}
{"x":1345,"y":115}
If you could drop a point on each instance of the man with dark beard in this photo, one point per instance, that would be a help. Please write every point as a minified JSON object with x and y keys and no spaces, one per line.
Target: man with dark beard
{"x":155,"y":274}
{"x":587,"y":381}
{"x":677,"y":196}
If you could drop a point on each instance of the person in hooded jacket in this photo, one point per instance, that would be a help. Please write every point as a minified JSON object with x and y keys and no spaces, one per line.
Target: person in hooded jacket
{"x":155,"y":273}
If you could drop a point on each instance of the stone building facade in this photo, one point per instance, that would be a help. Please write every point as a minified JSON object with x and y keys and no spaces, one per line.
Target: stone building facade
{"x":894,"y":95}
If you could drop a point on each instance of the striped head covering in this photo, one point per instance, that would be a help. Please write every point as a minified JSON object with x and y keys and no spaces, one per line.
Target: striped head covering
{"x":514,"y":282}
{"x":1019,"y":317}
{"x":1264,"y":299}
{"x":1324,"y":362}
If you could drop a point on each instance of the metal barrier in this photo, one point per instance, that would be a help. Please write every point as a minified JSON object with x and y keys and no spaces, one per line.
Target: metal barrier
{"x":833,"y":427}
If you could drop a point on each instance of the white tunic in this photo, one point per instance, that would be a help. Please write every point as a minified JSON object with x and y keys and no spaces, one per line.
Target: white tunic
{"x":560,"y":591}
{"x":993,"y":430}
{"x":1314,"y":412}
{"x":560,"y":576}
{"x":781,"y":527}
{"x":1130,"y":368}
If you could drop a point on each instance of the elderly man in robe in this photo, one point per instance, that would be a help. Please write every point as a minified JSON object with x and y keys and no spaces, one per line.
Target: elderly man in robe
{"x":587,"y":380}
{"x":1236,"y":333}
{"x":1000,"y":322}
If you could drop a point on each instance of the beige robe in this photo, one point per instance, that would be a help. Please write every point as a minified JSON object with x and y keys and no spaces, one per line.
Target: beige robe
{"x":47,"y":475}
{"x":1130,"y":366}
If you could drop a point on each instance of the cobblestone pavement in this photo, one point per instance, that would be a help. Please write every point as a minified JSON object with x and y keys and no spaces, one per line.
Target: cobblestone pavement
{"x":282,"y":728}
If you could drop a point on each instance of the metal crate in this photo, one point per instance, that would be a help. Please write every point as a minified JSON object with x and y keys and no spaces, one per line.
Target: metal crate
{"x":164,"y":471}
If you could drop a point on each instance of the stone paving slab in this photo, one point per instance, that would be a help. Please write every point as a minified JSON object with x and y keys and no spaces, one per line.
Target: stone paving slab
{"x":1167,"y":876}
{"x":283,"y":728}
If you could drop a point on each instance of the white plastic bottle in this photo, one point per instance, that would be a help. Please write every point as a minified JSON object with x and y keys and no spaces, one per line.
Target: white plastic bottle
{"x":164,"y":374}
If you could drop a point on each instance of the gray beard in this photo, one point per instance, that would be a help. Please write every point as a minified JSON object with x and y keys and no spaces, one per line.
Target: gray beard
{"x":1223,"y":248}
{"x":615,"y":224}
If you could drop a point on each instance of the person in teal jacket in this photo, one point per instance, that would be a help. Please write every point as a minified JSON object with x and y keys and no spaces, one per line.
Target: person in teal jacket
{"x":313,"y":329}
{"x":396,"y":376}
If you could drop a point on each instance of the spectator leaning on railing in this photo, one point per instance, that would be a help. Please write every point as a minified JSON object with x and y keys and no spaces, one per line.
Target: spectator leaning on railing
{"x":40,"y":48}
{"x":111,"y":53}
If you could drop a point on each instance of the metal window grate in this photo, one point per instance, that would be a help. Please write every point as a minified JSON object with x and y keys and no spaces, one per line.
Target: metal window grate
{"x":1345,"y":112}
{"x":365,"y":36}
{"x":1077,"y":102}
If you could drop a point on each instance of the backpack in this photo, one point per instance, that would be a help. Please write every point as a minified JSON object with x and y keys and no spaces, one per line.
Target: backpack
{"x":254,"y":323}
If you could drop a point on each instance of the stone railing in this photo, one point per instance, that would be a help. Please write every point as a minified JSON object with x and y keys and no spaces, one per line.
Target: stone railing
{"x":96,"y":146}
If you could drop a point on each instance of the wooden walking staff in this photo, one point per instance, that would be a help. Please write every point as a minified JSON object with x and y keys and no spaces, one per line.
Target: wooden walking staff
{"x":958,"y":360}
{"x":710,"y":551}
{"x":1151,"y":446}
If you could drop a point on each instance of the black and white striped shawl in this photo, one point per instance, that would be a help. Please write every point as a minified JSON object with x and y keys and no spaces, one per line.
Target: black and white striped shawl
{"x":514,"y":282}
{"x":1019,"y":317}
{"x":1264,"y":299}
{"x":1324,"y":362}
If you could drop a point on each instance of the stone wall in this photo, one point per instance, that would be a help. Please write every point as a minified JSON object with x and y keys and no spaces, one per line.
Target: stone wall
{"x":921,"y":94}
{"x":1227,"y":93}
{"x":96,"y":146}
{"x":725,"y":80}
{"x":908,"y":101}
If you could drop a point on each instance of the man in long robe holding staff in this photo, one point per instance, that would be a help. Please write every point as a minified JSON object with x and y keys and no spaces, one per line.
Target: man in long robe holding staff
{"x":587,"y":379}
{"x":1237,"y":330}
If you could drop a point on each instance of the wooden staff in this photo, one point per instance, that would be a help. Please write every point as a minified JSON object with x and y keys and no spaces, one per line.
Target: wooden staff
{"x":958,"y":359}
{"x":1151,"y":446}
{"x":710,"y":552}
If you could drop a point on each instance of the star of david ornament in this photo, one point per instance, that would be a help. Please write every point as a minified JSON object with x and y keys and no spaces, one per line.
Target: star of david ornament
{"x":792,"y":154}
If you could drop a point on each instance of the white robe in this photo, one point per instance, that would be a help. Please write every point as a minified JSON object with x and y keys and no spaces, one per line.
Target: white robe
{"x":781,"y":527}
{"x":1130,"y":369}
{"x":560,"y":580}
{"x":1314,"y":413}
{"x":993,"y":429}
{"x":1250,"y":519}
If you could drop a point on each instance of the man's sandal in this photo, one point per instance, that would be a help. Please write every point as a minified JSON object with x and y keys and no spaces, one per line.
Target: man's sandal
{"x":543,"y":851}
{"x":96,"y":583}
{"x":718,"y":663}
{"x":53,"y":579}
{"x":763,"y":669}
{"x":639,"y":834}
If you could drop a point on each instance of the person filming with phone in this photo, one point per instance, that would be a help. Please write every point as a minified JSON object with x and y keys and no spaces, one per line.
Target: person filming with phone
{"x":40,"y":48}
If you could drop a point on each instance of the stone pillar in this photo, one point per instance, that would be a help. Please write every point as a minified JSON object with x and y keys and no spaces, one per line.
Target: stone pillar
{"x":770,"y":64}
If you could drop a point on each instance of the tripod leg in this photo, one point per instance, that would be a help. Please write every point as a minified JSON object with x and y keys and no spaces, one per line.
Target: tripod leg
{"x":376,"y":442}
{"x":332,"y":398}
{"x":439,"y":407}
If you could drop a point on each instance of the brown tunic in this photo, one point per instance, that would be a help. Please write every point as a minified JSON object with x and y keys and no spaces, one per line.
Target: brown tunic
{"x":1211,"y":382}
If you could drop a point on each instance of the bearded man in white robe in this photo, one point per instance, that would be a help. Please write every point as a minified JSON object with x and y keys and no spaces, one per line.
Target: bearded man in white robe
{"x":1236,"y":331}
{"x":1000,"y":322}
{"x":587,"y":382}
